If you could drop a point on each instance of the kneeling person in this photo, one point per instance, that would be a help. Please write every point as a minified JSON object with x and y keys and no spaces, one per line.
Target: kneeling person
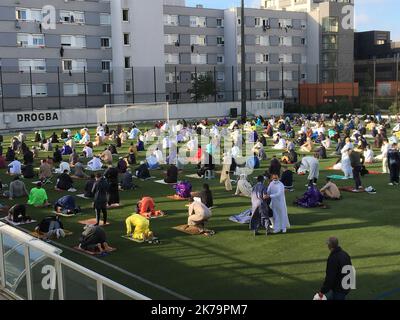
{"x":138,"y":227}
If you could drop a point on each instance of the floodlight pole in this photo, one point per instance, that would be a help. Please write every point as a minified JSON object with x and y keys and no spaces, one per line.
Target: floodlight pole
{"x":397,"y":81}
{"x":243,"y":65}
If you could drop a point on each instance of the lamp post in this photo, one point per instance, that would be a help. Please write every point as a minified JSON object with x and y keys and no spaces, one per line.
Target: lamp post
{"x":243,"y":65}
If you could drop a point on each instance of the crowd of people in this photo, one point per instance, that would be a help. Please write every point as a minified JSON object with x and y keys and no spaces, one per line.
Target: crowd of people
{"x":344,"y":137}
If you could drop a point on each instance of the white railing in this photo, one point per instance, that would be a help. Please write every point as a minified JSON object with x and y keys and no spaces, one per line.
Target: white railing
{"x":31,"y":269}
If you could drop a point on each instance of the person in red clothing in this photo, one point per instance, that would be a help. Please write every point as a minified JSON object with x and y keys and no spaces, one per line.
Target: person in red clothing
{"x":146,"y":207}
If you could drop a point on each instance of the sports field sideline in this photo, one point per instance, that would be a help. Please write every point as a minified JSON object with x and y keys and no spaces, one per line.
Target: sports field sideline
{"x":233,"y":264}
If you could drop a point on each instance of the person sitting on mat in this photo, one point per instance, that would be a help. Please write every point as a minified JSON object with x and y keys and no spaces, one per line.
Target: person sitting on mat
{"x":172,"y":174}
{"x":38,"y":197}
{"x":106,"y":156}
{"x":44,"y":170}
{"x":17,"y":189}
{"x":205,"y":195}
{"x":199,"y":214}
{"x":330,"y":190}
{"x":142,"y":172}
{"x":94,"y":239}
{"x":64,"y":182}
{"x":28,"y":171}
{"x":78,"y":170}
{"x":63,"y":166}
{"x":127,"y":181}
{"x":89,"y":187}
{"x":66,"y":205}
{"x":243,"y":188}
{"x":95,"y":164}
{"x":51,"y":227}
{"x":14,"y":168}
{"x":287,"y":178}
{"x":122,"y":165}
{"x":17,"y":214}
{"x":138,"y":227}
{"x":146,"y":207}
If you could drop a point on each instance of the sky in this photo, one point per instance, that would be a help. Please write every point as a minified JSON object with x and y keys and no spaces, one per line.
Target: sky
{"x":369,"y":14}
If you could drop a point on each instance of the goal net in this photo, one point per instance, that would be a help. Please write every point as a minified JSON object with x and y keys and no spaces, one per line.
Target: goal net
{"x":125,"y":113}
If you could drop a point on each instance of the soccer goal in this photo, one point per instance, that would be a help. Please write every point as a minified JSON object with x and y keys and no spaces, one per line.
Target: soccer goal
{"x":125,"y":113}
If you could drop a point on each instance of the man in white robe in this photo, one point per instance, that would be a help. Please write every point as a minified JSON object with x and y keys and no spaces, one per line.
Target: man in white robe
{"x":276,"y":192}
{"x":310,"y":164}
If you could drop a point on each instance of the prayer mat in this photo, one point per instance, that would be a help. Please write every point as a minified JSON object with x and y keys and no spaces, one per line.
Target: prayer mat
{"x":132,"y":239}
{"x":83,"y":196}
{"x":114,"y":206}
{"x":163,"y":182}
{"x":149,"y":178}
{"x":15,"y":224}
{"x":194,"y":176}
{"x":65,"y":215}
{"x":374,"y":172}
{"x":337,"y":177}
{"x":193,"y":230}
{"x":93,"y":221}
{"x":350,"y":189}
{"x":42,"y":236}
{"x":177,"y":198}
{"x":93,"y":253}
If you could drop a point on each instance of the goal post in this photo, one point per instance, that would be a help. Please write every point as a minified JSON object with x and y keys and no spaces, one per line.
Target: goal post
{"x":141,"y":112}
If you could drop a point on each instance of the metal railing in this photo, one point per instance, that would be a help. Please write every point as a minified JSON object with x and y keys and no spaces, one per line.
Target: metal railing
{"x":31,"y":269}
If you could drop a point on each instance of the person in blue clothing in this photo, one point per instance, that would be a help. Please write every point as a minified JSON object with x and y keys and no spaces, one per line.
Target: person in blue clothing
{"x":66,"y":205}
{"x":260,"y":210}
{"x":253,"y":162}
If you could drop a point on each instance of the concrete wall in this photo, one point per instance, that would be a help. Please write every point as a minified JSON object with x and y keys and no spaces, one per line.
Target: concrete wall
{"x":82,"y":117}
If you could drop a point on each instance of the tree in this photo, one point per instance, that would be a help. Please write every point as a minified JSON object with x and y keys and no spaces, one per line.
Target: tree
{"x":203,"y":87}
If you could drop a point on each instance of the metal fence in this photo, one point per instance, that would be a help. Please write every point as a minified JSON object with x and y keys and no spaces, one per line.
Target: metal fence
{"x":364,"y":83}
{"x":31,"y":269}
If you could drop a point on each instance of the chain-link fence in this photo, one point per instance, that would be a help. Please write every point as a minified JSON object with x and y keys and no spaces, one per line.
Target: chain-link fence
{"x":369,"y":85}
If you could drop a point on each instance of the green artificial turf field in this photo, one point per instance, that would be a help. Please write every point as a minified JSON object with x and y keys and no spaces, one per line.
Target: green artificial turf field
{"x":233,"y":264}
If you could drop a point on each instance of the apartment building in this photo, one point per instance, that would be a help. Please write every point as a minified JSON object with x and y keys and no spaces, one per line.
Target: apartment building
{"x":276,"y":51}
{"x":133,"y":51}
{"x":330,"y":35}
{"x":52,"y":51}
{"x":194,"y":47}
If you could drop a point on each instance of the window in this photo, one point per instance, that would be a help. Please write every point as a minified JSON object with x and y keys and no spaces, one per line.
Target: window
{"x":38,"y":90}
{"x":78,"y":65}
{"x":220,"y":22}
{"x":30,"y":40}
{"x":24,"y":14}
{"x":171,"y":39}
{"x":220,"y":59}
{"x":199,"y":59}
{"x":171,"y":20}
{"x":330,"y":24}
{"x":262,"y":40}
{"x":125,"y":15}
{"x":329,"y":42}
{"x":220,"y":76}
{"x":73,"y":41}
{"x":262,"y":58}
{"x":106,"y":65}
{"x":171,"y":58}
{"x":198,"y":40}
{"x":105,"y":42}
{"x":72,"y":17}
{"x":36,"y":65}
{"x":74,"y":89}
{"x":106,"y":88}
{"x":198,"y":21}
{"x":220,"y":41}
{"x":127,"y":62}
{"x":127,"y":39}
{"x":105,"y":19}
{"x":128,"y":86}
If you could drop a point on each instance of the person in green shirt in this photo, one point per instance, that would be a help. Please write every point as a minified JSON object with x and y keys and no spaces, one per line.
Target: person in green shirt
{"x":38,"y":197}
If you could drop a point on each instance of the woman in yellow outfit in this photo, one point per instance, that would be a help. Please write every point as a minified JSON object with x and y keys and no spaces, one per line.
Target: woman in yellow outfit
{"x":140,"y":226}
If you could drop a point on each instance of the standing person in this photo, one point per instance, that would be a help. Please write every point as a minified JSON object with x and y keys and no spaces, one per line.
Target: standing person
{"x":100,"y":191}
{"x":393,"y":156}
{"x":276,"y":192}
{"x":225,"y":173}
{"x":111,"y":175}
{"x":259,"y":207}
{"x":357,"y":161}
{"x":337,"y":261}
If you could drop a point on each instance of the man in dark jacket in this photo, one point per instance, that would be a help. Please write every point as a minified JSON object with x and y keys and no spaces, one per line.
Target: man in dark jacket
{"x":64,"y":181}
{"x":394,"y":164}
{"x":100,"y":191}
{"x":337,"y":269}
{"x":357,"y":161}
